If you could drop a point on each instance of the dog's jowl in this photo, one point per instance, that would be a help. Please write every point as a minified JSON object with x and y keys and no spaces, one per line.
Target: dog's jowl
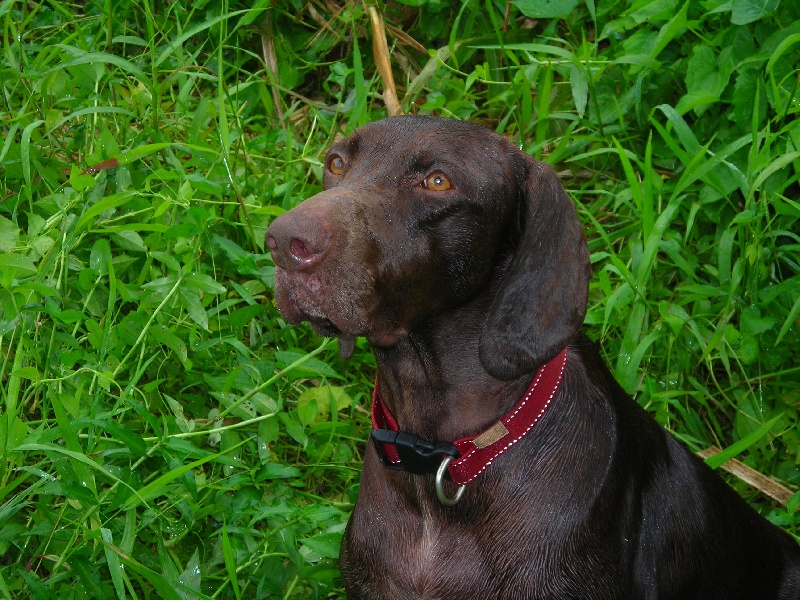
{"x":505,"y":461}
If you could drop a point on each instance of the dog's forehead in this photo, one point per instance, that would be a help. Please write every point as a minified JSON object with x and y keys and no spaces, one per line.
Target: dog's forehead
{"x":415,"y":139}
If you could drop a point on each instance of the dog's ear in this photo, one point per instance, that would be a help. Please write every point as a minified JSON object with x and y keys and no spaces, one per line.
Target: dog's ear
{"x":541,"y":299}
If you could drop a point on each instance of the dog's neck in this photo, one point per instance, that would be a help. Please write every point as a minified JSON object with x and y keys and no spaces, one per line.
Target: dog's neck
{"x":434,"y":384}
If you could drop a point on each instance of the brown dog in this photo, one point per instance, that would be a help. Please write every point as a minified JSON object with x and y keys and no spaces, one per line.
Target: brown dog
{"x":507,"y":462}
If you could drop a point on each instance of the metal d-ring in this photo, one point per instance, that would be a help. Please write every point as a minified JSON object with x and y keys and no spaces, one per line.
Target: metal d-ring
{"x":440,"y":485}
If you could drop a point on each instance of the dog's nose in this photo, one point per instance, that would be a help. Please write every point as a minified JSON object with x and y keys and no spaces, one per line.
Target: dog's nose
{"x":298,"y":240}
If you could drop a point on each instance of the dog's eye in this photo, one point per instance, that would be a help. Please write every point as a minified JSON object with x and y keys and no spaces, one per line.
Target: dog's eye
{"x":335,"y":164}
{"x":437,"y":182}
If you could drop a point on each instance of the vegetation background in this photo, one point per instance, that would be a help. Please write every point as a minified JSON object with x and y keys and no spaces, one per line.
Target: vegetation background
{"x":164,"y":434}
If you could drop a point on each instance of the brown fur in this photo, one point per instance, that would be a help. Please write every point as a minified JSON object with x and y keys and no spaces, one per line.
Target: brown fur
{"x":463,"y":294}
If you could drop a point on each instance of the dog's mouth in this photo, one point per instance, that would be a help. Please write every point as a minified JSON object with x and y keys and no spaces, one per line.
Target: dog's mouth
{"x":331,"y":313}
{"x":296,"y":310}
{"x":326,"y":328}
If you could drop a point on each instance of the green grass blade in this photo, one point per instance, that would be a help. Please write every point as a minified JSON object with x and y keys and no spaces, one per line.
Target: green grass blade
{"x":91,"y":58}
{"x":230,"y":562}
{"x":166,"y":589}
{"x":113,"y":563}
{"x":682,"y":129}
{"x":635,"y":185}
{"x":779,"y":163}
{"x":653,"y":240}
{"x":698,"y":168}
{"x":157,"y":487}
{"x":25,"y":150}
{"x":192,"y":32}
{"x":743,"y":444}
{"x":791,"y":319}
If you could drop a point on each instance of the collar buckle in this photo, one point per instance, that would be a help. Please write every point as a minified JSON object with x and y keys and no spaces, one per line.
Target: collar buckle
{"x":405,"y":451}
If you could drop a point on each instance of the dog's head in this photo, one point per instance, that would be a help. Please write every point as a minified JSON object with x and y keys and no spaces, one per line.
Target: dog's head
{"x":420,"y":215}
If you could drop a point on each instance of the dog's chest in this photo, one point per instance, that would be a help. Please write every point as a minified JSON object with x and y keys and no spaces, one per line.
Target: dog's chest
{"x":420,"y":559}
{"x":428,"y":546}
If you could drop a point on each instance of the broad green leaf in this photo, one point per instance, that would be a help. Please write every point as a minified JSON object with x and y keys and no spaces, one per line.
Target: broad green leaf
{"x":38,"y":590}
{"x":16,"y":264}
{"x":639,"y":60}
{"x":276,"y":471}
{"x":29,"y":372}
{"x":191,"y":302}
{"x":324,"y":396}
{"x":324,"y":544}
{"x":9,"y":234}
{"x":13,"y":432}
{"x":753,"y":322}
{"x":79,"y":180}
{"x":129,"y":240}
{"x":86,"y":569}
{"x":744,"y":99}
{"x":233,"y":251}
{"x":204,"y":283}
{"x":651,"y":10}
{"x":42,"y":289}
{"x":307,"y":411}
{"x":100,"y":257}
{"x":700,"y":168}
{"x":242,"y":316}
{"x":707,"y":74}
{"x":747,"y":11}
{"x":359,"y":112}
{"x":162,"y":334}
{"x":635,"y":186}
{"x":190,"y":576}
{"x":669,"y":31}
{"x":652,"y":241}
{"x":546,"y":9}
{"x":580,"y":89}
{"x":168,"y":260}
{"x":124,"y":434}
{"x":294,"y":429}
{"x":782,"y":48}
{"x":312,"y":364}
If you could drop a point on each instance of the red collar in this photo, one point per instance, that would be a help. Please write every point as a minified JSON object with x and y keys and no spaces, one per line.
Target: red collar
{"x":479,"y":451}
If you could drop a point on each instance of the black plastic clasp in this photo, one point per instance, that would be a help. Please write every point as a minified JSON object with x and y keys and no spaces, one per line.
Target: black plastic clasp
{"x":417,"y":455}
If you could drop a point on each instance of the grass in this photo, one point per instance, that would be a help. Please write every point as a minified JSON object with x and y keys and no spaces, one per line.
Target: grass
{"x":164,"y":434}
